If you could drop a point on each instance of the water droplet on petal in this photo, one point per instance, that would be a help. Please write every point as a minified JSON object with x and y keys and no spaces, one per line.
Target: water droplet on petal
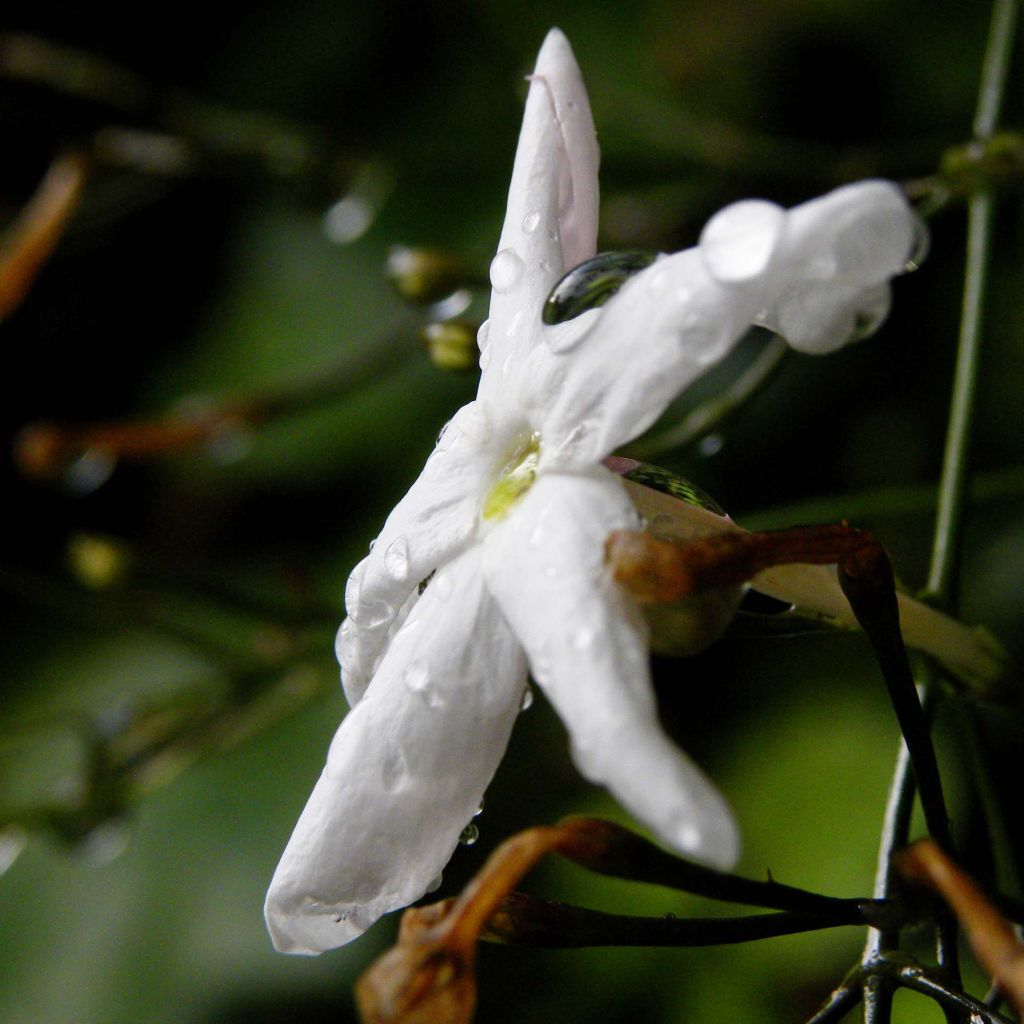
{"x":506,"y":270}
{"x":370,"y":614}
{"x":434,"y":885}
{"x":527,"y":702}
{"x":394,"y":769}
{"x":531,"y":222}
{"x":470,"y":834}
{"x":583,"y":638}
{"x":922,"y":243}
{"x":396,"y":560}
{"x":592,"y":283}
{"x":483,"y":335}
{"x":737,"y":244}
{"x":480,"y":809}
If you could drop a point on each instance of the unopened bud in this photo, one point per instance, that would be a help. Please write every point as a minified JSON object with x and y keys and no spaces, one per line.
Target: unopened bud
{"x":97,"y":562}
{"x":425,"y":275}
{"x":452,"y":344}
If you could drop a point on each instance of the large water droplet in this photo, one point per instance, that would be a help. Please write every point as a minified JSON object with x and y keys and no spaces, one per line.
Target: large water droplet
{"x":469,"y":835}
{"x":592,"y":284}
{"x":483,"y":335}
{"x":531,"y":222}
{"x":527,"y":701}
{"x":871,"y":315}
{"x":506,"y":270}
{"x":370,"y":614}
{"x":396,"y":560}
{"x":434,"y":885}
{"x":354,"y":585}
{"x":738,"y":242}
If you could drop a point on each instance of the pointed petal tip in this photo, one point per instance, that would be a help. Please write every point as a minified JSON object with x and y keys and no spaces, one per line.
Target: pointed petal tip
{"x":554,"y":50}
{"x":714,"y":842}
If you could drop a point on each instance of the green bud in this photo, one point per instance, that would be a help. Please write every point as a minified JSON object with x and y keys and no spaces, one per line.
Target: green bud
{"x":452,"y":344}
{"x":425,"y":275}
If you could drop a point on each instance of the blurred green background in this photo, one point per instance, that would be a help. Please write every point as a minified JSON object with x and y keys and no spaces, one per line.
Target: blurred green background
{"x":161,"y":725}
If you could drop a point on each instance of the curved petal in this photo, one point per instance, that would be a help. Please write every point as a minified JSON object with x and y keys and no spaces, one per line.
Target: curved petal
{"x":658,"y":334}
{"x":406,"y":770}
{"x":587,"y":648}
{"x":551,"y":217}
{"x":427,"y":527}
{"x":820,"y":271}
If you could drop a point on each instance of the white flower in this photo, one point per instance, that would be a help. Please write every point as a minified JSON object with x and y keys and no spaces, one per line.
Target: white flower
{"x":509,"y":517}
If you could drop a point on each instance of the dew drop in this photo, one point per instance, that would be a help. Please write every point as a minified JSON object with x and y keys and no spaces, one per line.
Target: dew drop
{"x":443,"y":586}
{"x":583,"y":638}
{"x":922,"y":243}
{"x":417,"y":680}
{"x":483,"y":335}
{"x":669,"y":916}
{"x":393,"y":770}
{"x":506,"y":270}
{"x":531,"y":222}
{"x":371,"y":614}
{"x":527,"y":700}
{"x":738,"y":242}
{"x":592,"y":284}
{"x":435,"y":884}
{"x":469,"y":835}
{"x":480,"y":809}
{"x":396,"y":560}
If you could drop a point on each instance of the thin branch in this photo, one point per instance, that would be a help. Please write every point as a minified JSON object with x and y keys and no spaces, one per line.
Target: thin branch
{"x":524,"y":920}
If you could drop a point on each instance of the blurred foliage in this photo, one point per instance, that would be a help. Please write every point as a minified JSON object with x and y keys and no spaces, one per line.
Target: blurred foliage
{"x":227,"y":277}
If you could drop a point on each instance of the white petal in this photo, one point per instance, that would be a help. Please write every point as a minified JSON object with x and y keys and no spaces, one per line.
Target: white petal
{"x":587,"y":648}
{"x":427,"y":527}
{"x":822,"y":271}
{"x":658,"y":334}
{"x":551,"y":217}
{"x":739,"y":241}
{"x":406,"y":770}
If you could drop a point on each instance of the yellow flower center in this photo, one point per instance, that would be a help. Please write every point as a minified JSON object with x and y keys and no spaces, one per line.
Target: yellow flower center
{"x":516,"y":479}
